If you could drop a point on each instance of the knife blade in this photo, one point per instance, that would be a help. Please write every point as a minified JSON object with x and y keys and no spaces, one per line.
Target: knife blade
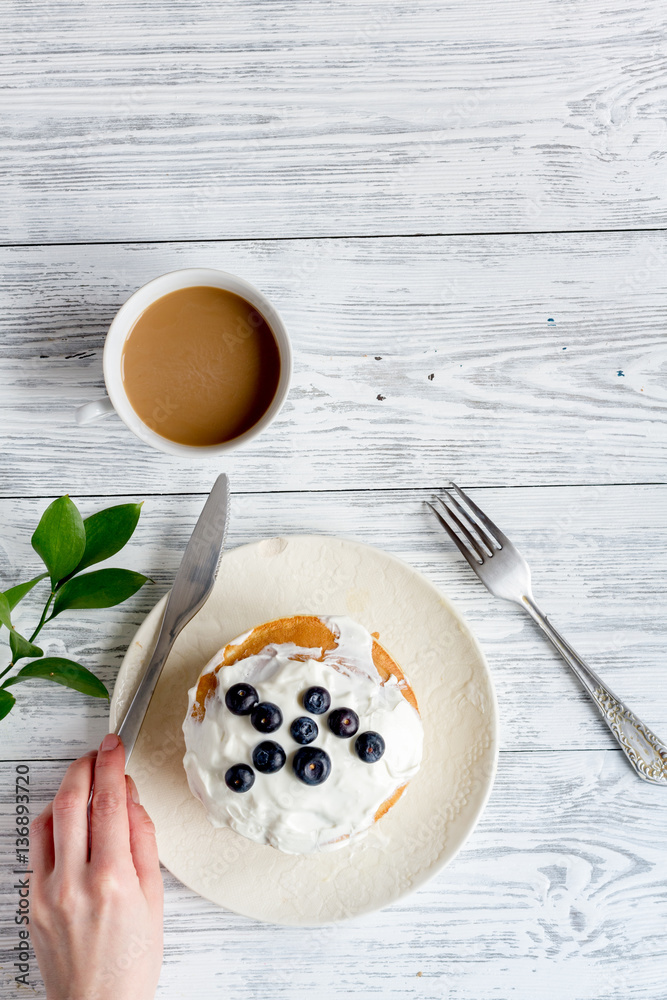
{"x":192,"y":585}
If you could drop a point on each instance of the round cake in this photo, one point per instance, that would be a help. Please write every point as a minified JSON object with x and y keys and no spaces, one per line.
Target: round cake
{"x":301,"y":733}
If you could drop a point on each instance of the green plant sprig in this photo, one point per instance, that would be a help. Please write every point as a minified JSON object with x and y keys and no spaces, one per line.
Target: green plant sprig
{"x":67,"y":544}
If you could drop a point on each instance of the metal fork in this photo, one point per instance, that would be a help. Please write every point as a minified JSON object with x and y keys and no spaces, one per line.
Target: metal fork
{"x":503,"y":570}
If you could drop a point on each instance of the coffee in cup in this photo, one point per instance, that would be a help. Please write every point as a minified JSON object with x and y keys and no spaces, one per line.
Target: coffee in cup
{"x":200,"y":366}
{"x":196,"y":362}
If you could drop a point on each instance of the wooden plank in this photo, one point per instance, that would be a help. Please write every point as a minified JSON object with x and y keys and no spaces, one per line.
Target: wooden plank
{"x":599,"y":561}
{"x":559,"y":893}
{"x":330,"y":119}
{"x":497,"y":360}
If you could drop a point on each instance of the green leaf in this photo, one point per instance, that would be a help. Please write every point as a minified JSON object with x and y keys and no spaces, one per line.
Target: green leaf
{"x":101,"y":589}
{"x":107,"y":532}
{"x":7,"y":702}
{"x":5,"y":616}
{"x":60,"y":538}
{"x":61,"y":671}
{"x":17,"y":593}
{"x":22,"y":647}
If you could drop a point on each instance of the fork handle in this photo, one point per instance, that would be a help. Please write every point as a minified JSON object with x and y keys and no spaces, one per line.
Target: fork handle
{"x":646,"y":753}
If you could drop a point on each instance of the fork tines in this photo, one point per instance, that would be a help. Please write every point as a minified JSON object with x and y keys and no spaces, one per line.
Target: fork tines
{"x":474,"y":534}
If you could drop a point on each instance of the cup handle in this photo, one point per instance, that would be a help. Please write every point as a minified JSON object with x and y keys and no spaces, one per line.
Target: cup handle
{"x":89,"y":412}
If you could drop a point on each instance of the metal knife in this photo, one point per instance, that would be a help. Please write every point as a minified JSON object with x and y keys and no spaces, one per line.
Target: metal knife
{"x":192,"y":585}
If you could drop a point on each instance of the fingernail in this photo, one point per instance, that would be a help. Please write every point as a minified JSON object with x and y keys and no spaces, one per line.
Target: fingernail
{"x":110,"y":742}
{"x":134,"y":791}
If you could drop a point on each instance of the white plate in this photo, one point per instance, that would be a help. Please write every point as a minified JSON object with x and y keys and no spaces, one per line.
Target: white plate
{"x":312,"y":574}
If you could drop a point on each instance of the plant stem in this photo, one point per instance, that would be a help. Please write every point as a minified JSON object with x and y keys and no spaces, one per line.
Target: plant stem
{"x":6,"y":670}
{"x":43,"y":618}
{"x":40,"y":625}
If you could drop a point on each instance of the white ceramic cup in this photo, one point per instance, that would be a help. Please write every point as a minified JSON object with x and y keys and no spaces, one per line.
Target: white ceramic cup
{"x":125,"y":319}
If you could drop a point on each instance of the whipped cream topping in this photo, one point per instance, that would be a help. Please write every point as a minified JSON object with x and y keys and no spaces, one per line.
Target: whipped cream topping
{"x":280,"y":809}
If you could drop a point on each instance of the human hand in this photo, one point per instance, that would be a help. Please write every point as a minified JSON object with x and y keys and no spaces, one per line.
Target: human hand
{"x":96,"y":918}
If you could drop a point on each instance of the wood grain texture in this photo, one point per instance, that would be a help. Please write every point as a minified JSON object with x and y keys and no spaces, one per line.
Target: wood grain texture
{"x":525,"y":360}
{"x":558,"y":894}
{"x":599,"y":561}
{"x":249,"y":132}
{"x":240,"y":119}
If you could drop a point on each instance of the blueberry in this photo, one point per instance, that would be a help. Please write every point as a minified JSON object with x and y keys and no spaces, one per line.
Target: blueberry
{"x":266,"y":717}
{"x":241,"y":699}
{"x":343,"y":722}
{"x":304,"y":730}
{"x":312,"y":765}
{"x":316,"y":700}
{"x":369,"y":747}
{"x":240,"y":778}
{"x":268,"y":757}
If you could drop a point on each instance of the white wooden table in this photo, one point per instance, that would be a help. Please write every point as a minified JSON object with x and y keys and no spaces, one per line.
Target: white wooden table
{"x":460,"y":211}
